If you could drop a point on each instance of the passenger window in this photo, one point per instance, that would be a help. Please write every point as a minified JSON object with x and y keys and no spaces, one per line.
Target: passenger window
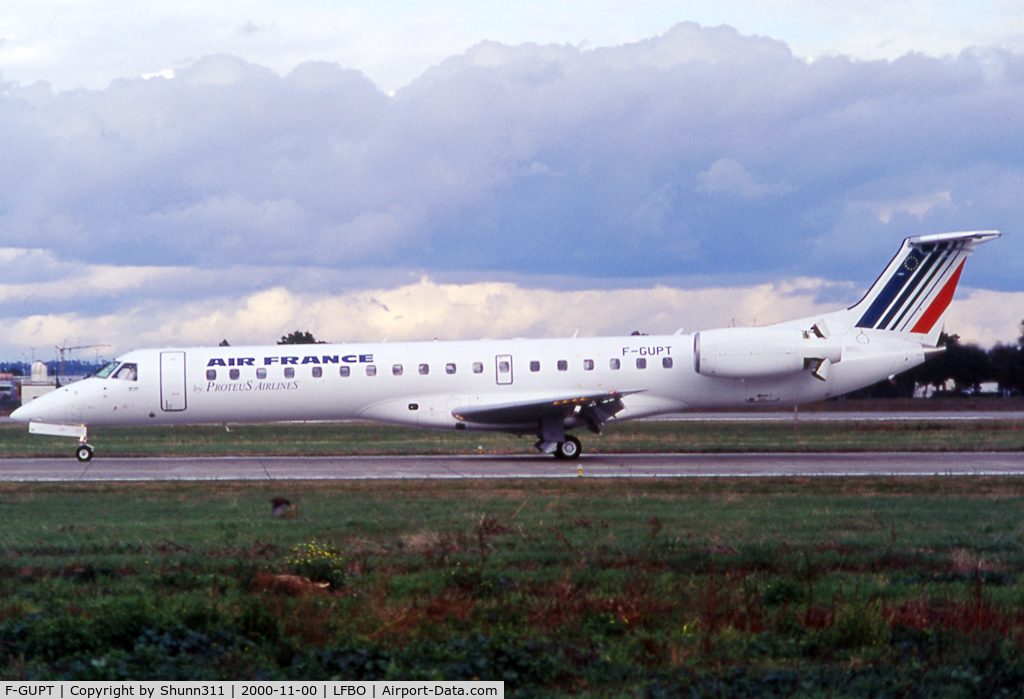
{"x":535,"y":366}
{"x":666,"y":362}
{"x":504,"y":367}
{"x":211,"y":374}
{"x":424,"y":369}
{"x":289,"y":372}
{"x":641,"y":362}
{"x":588,"y":365}
{"x":396,"y":370}
{"x":233,"y":374}
{"x":261,"y":373}
{"x":345,"y":371}
{"x":449,"y":368}
{"x":318,"y":372}
{"x":371,"y":370}
{"x":614,"y":364}
{"x":478,"y":367}
{"x":563,"y":365}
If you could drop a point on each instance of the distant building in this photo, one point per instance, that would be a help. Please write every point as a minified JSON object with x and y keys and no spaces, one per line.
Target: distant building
{"x":38,"y":384}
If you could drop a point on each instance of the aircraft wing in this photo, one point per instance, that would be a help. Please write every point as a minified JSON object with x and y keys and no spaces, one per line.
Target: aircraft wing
{"x":592,"y":409}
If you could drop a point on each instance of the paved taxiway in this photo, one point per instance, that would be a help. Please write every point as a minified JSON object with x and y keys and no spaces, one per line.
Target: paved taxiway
{"x":592,"y":466}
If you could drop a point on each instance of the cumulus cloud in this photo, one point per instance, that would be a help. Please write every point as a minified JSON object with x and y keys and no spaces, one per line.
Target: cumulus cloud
{"x":919,"y":206}
{"x":727,"y":176}
{"x":427,"y":309}
{"x":698,"y":154}
{"x":985,"y":317}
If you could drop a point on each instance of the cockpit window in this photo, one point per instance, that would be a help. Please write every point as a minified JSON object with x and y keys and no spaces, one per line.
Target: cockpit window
{"x":126,"y":372}
{"x":106,"y":370}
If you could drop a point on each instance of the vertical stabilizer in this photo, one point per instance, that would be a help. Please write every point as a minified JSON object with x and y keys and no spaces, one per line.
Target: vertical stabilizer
{"x":913,"y":293}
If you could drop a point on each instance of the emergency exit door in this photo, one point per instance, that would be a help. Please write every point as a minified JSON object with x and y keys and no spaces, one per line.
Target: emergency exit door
{"x":172,"y":381}
{"x":503,"y":369}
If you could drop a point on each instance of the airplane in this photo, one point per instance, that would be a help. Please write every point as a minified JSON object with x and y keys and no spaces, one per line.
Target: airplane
{"x":540,"y":387}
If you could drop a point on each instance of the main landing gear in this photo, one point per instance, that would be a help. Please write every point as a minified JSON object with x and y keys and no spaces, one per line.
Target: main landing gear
{"x":84,"y":452}
{"x":554,"y":440}
{"x":569,"y":449}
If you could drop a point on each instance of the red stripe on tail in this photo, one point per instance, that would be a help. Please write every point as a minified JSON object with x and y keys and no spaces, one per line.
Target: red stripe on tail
{"x":939,"y":305}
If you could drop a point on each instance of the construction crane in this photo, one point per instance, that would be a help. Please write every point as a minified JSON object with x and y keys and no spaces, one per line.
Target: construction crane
{"x":62,"y":350}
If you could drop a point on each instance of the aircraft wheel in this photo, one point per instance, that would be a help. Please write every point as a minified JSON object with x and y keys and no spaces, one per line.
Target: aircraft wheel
{"x":84,"y":453}
{"x":569,"y":449}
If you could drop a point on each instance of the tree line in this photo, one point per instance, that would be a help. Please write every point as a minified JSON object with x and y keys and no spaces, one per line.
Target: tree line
{"x":960,"y":370}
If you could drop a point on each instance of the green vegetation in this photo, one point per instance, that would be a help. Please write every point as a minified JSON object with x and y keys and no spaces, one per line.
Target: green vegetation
{"x":570,"y":587}
{"x":631,"y":437}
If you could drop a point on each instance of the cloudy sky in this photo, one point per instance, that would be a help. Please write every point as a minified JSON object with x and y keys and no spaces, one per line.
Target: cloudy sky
{"x":188,"y":172}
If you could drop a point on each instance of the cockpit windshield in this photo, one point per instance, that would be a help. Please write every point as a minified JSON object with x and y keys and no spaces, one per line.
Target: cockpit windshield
{"x":106,"y":370}
{"x":125,"y":371}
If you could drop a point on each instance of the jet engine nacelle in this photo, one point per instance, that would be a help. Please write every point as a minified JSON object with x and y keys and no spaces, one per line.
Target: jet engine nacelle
{"x":740,"y":353}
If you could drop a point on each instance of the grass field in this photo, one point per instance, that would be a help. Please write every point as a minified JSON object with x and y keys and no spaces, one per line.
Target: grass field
{"x":837,"y":587}
{"x":776,"y":587}
{"x":630,"y":437}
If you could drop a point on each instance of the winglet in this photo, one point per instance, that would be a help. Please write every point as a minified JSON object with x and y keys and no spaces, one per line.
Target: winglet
{"x":914,"y":292}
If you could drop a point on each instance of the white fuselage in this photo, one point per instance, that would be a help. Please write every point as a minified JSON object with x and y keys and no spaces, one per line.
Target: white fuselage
{"x":425,"y":384}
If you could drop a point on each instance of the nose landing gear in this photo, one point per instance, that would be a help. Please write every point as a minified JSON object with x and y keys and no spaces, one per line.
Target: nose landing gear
{"x":84,"y":452}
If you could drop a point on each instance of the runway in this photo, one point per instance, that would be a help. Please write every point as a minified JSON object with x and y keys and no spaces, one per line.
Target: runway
{"x":589,"y":466}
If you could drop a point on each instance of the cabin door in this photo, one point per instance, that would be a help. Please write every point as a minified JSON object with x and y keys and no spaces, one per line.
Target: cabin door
{"x":172,"y":381}
{"x":503,"y":369}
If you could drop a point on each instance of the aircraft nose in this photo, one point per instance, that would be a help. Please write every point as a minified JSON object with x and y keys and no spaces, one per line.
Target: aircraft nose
{"x":46,"y":408}
{"x":22,"y":414}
